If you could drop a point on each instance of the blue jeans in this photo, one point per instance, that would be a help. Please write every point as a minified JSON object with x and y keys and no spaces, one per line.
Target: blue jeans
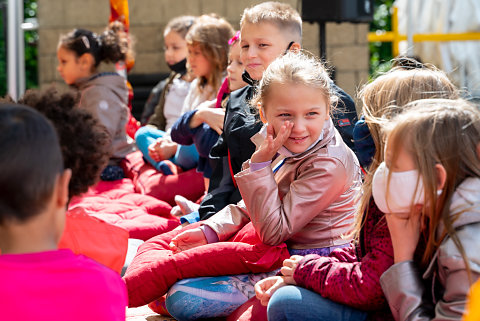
{"x":296,"y":303}
{"x":186,"y":156}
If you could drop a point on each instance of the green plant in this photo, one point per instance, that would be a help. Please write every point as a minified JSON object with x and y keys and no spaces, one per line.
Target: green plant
{"x":381,"y":52}
{"x":31,"y":53}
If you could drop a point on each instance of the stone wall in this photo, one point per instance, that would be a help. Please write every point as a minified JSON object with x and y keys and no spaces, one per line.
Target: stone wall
{"x":347,"y":48}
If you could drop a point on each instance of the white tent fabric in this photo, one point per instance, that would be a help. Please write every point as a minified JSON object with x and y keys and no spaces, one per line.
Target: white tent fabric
{"x":460,"y":59}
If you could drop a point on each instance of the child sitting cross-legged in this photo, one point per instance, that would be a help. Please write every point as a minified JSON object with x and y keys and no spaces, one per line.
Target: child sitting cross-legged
{"x":39,"y":281}
{"x":299,"y":187}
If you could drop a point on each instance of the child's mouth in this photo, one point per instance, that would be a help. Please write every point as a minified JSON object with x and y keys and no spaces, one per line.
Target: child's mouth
{"x":298,"y":140}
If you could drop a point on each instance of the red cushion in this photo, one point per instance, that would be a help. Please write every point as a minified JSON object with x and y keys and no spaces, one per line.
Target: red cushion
{"x":249,"y":311}
{"x":149,"y":181}
{"x":155,"y":268}
{"x":116,"y":202}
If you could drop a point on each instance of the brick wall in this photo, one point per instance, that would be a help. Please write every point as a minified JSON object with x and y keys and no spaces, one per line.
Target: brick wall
{"x":347,"y":47}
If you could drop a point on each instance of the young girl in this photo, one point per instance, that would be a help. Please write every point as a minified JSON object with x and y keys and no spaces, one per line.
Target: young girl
{"x":203,"y":126}
{"x":177,"y":83}
{"x":348,"y":280}
{"x":105,"y":95}
{"x":299,"y":187}
{"x":429,"y":184}
{"x":39,"y":281}
{"x":165,"y":103}
{"x":207,"y":43}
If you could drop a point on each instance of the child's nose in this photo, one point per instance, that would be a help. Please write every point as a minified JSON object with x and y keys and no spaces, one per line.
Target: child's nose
{"x":252,"y":52}
{"x":298,"y":125}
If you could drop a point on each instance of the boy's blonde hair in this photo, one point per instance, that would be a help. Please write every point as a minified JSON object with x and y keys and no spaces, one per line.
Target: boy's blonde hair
{"x":386,"y":97}
{"x":212,"y":33}
{"x":286,"y":18}
{"x":295,"y":68}
{"x":445,"y":132}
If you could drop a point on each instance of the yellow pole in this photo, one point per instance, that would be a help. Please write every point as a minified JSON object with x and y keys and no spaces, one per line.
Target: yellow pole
{"x":396,"y":40}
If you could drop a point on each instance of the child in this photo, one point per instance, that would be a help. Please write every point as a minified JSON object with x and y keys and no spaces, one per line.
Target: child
{"x":175,"y":87}
{"x":432,"y":156}
{"x":207,"y":43}
{"x":348,"y":280}
{"x":288,"y":196}
{"x":268,"y":30}
{"x":203,"y":125}
{"x":38,"y":281}
{"x":105,"y":95}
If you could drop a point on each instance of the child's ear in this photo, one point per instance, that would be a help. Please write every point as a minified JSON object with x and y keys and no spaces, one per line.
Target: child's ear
{"x":262,"y":115}
{"x":62,"y":188}
{"x":296,"y":47}
{"x":441,"y":176}
{"x":86,"y":61}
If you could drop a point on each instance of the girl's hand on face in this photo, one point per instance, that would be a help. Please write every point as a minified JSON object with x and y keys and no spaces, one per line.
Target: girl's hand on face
{"x":265,"y":288}
{"x":270,"y":146}
{"x":405,"y":233}
{"x":188,"y":240}
{"x":288,"y":268}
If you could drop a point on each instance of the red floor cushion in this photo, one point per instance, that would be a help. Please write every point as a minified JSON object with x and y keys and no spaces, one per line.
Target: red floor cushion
{"x":155,"y":268}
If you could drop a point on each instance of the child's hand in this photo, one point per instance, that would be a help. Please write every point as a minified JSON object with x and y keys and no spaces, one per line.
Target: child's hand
{"x":405,"y":233}
{"x":162,"y":149}
{"x":271,"y":145}
{"x":213,"y":117}
{"x":188,"y":240}
{"x":265,"y":288}
{"x":288,"y":268}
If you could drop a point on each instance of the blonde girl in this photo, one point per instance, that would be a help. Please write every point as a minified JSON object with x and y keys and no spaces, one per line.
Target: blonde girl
{"x":348,"y":280}
{"x":207,"y":43}
{"x":167,"y":98}
{"x":430,"y":184}
{"x":301,"y":176}
{"x":105,"y":95}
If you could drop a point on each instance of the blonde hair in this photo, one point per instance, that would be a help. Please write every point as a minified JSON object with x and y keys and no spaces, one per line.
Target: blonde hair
{"x":445,"y":132}
{"x":286,"y":18}
{"x":211,"y":34}
{"x":384,"y":98}
{"x":295,"y":68}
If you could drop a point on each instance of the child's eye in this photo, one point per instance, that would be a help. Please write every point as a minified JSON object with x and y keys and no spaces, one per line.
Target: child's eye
{"x":244,"y":47}
{"x":263,"y":45}
{"x":284,"y":115}
{"x":312,"y":113}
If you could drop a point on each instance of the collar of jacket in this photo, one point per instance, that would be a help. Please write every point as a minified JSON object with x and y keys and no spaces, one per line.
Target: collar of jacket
{"x":82,"y":81}
{"x":327,"y":134}
{"x":246,"y":78}
{"x":463,"y":209}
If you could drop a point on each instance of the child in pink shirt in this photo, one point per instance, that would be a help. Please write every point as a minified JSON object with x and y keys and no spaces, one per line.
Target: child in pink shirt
{"x":38,"y":281}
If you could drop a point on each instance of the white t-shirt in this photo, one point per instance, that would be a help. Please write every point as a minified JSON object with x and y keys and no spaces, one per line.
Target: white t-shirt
{"x":174,"y":100}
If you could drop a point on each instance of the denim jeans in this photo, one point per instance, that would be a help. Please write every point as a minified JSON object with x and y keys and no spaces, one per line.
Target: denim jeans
{"x":296,"y":303}
{"x":185,"y":157}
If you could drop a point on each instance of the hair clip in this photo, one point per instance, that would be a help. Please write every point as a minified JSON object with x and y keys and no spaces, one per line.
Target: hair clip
{"x":234,"y":38}
{"x":86,"y":42}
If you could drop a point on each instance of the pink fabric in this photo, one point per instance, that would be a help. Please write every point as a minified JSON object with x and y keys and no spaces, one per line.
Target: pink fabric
{"x":59,"y":285}
{"x":147,"y":180}
{"x":155,"y":268}
{"x":221,"y":93}
{"x":117,"y":203}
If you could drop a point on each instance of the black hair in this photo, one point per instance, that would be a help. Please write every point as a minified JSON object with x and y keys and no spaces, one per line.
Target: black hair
{"x":110,"y":46}
{"x":30,"y":162}
{"x":84,"y":142}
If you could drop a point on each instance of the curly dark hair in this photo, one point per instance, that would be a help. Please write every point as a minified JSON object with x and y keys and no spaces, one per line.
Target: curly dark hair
{"x":83,"y":140}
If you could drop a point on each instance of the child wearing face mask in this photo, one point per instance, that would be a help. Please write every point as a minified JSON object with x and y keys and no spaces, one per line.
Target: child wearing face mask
{"x":429,"y":187}
{"x":348,"y":279}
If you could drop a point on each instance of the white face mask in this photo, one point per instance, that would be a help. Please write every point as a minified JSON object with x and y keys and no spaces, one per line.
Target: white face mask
{"x":400,"y":190}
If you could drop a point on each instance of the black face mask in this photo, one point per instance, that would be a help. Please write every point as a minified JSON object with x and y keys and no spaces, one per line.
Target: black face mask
{"x":180,"y":67}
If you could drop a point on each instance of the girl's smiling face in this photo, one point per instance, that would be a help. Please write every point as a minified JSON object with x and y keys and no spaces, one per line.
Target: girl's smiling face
{"x":306,"y":107}
{"x":200,"y":65}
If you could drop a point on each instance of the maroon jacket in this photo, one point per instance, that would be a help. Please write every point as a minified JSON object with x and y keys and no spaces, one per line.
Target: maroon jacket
{"x":351,"y":275}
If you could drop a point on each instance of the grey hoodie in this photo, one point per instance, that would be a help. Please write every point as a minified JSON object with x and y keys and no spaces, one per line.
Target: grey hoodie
{"x":105,"y":95}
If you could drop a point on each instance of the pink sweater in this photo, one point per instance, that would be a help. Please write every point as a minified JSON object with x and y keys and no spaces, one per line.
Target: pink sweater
{"x":59,"y":285}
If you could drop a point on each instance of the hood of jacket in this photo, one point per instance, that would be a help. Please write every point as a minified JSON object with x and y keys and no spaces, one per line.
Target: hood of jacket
{"x":110,"y":80}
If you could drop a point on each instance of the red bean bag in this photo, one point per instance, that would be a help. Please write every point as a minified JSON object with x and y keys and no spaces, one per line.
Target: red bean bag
{"x":117,"y":203}
{"x":149,"y":181}
{"x":155,"y":268}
